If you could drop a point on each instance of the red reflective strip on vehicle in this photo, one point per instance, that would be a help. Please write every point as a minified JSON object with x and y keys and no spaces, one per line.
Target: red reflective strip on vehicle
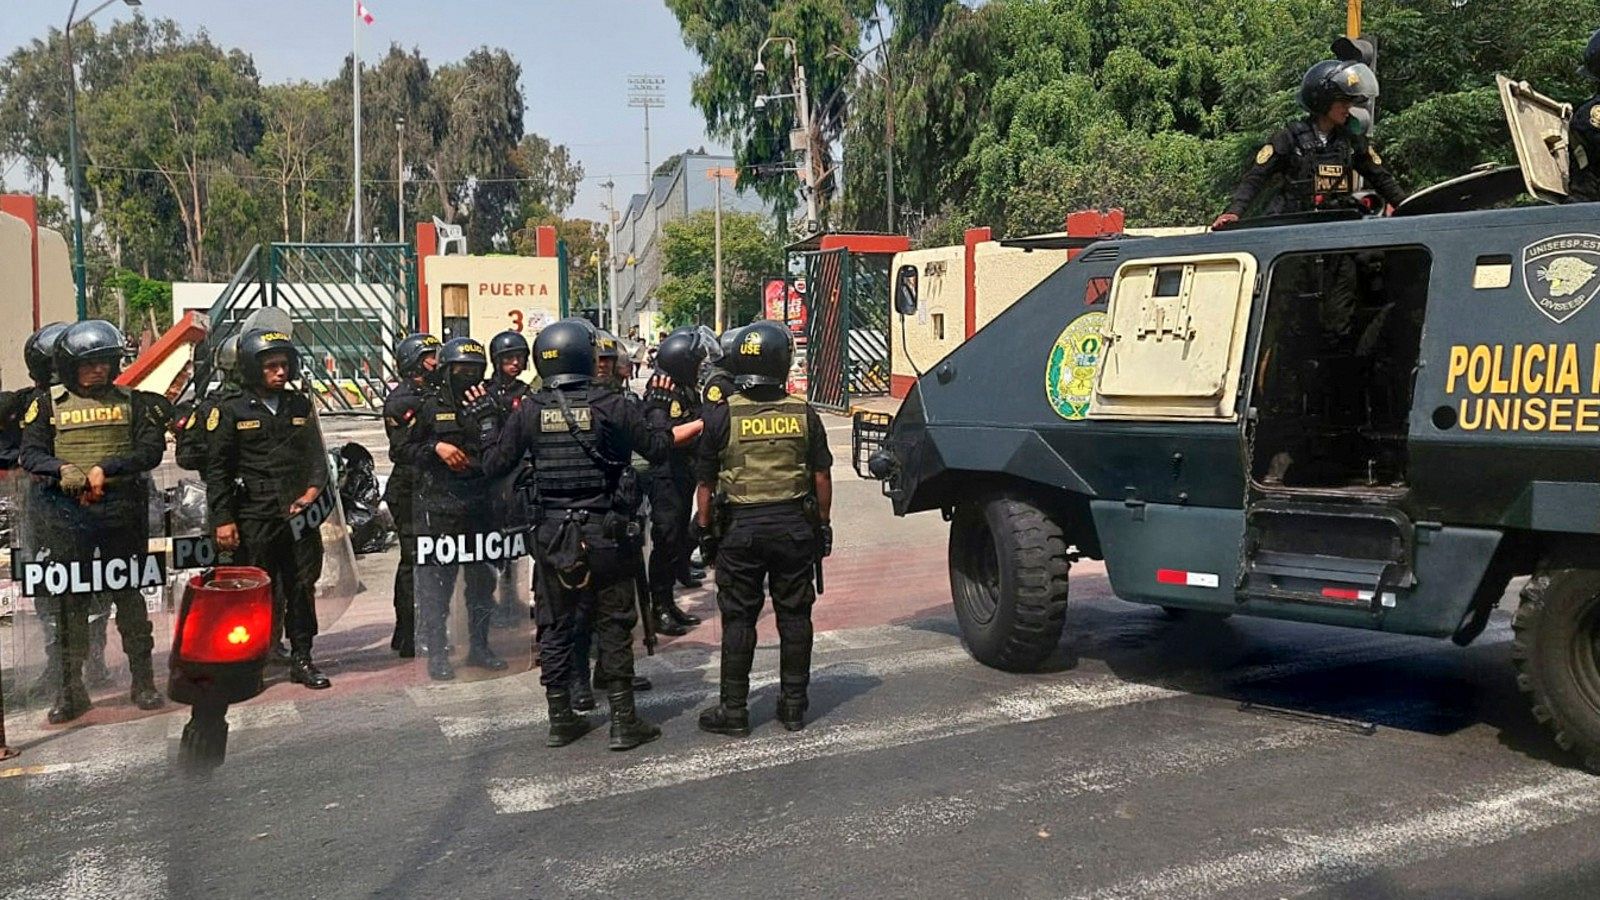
{"x":1172,"y":576}
{"x":1345,"y":594}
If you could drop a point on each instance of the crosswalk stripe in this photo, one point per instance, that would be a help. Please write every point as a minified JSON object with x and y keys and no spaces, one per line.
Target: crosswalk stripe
{"x":1497,"y":811}
{"x":530,"y":715}
{"x":1108,"y":770}
{"x":1033,"y":702}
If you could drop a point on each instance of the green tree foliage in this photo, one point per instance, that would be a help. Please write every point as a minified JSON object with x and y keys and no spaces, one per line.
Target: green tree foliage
{"x":751,"y":251}
{"x":1014,"y":112}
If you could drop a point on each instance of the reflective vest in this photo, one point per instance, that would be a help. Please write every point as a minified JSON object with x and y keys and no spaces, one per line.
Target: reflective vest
{"x":569,"y":478}
{"x":765,"y":459}
{"x":90,"y":431}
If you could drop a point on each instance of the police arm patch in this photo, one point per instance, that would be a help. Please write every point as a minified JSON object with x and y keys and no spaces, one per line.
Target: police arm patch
{"x":212,"y":418}
{"x":1264,"y":155}
{"x":33,"y":412}
{"x":1372,"y":154}
{"x":1594,"y":116}
{"x":714,"y":393}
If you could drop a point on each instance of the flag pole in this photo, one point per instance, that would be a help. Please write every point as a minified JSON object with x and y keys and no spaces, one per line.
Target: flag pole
{"x":355,"y":61}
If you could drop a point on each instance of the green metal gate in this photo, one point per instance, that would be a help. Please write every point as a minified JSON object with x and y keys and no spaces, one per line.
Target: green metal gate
{"x":847,"y":327}
{"x":350,"y":304}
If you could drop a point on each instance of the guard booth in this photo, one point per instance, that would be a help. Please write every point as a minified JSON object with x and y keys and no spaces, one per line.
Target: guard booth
{"x":846,"y":351}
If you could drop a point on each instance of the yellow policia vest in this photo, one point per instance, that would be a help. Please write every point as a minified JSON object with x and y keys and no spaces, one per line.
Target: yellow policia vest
{"x":90,"y":431}
{"x":765,"y":460}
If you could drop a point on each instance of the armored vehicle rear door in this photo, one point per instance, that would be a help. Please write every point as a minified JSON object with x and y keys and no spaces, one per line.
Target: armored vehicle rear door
{"x":1539,"y":130}
{"x":1174,"y":338}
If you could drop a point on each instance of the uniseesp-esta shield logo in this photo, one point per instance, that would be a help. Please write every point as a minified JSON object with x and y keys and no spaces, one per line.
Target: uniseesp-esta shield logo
{"x":1562,"y":274}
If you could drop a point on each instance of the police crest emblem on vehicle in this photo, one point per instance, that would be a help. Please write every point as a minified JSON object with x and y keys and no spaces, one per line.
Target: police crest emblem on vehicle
{"x":1562,"y":274}
{"x":1074,"y":360}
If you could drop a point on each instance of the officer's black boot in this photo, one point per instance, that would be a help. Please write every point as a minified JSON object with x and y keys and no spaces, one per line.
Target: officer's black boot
{"x":95,"y":671}
{"x":303,"y":671}
{"x":794,"y":677}
{"x":666,"y":625}
{"x":566,"y":726}
{"x":439,"y":668}
{"x":732,"y":715}
{"x":479,"y":654}
{"x":792,"y":709}
{"x":144,"y":694}
{"x":72,"y":698}
{"x":688,"y":620}
{"x":640,"y":683}
{"x":404,"y":641}
{"x":627,"y":729}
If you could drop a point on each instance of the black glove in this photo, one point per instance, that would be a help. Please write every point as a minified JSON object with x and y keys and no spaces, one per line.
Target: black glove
{"x":825,"y":538}
{"x":709,"y":544}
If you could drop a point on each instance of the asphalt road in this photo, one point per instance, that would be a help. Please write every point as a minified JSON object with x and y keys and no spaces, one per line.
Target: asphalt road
{"x":1157,"y":759}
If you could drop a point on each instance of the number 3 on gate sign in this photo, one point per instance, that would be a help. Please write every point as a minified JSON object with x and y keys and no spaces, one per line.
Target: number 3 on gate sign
{"x":516,"y":320}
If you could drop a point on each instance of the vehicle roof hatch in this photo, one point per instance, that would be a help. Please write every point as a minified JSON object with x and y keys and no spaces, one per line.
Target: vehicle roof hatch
{"x":1539,"y":130}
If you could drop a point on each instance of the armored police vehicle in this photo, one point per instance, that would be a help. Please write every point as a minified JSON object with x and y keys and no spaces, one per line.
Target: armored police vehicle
{"x":1367,"y":422}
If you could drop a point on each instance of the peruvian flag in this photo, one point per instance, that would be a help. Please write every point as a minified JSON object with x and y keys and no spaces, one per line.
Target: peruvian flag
{"x":363,"y":13}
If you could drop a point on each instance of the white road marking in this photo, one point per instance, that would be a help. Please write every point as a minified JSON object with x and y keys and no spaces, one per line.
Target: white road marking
{"x":244,"y":718}
{"x":1040,"y":701}
{"x":522,"y":685}
{"x":1302,"y":861}
{"x":116,"y":870}
{"x":1117,"y":769}
{"x":535,"y":714}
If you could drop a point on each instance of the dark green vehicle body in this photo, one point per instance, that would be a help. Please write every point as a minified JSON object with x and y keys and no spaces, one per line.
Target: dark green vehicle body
{"x":1171,"y":496}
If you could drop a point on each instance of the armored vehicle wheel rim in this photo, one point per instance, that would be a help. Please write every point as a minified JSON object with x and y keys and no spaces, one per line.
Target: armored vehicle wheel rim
{"x":985,"y":598}
{"x":1584,"y":658}
{"x":1008,"y":577}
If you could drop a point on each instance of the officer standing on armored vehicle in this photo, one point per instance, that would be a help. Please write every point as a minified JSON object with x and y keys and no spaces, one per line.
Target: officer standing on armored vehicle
{"x":266,"y":465}
{"x":89,"y":444}
{"x":581,"y":436}
{"x":1583,"y":144}
{"x":671,"y":487}
{"x":764,"y":457}
{"x":416,"y":358}
{"x":445,"y":446}
{"x":1315,"y":160}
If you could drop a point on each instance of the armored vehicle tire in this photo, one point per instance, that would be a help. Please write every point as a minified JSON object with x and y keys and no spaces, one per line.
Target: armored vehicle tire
{"x":1008,"y":577}
{"x":1557,"y":653}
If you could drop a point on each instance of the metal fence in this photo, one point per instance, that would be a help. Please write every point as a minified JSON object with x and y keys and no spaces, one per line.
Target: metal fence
{"x":847,"y":327}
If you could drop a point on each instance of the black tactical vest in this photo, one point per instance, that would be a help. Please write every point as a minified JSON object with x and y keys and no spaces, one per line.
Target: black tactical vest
{"x":1319,"y":174}
{"x":570,"y":476}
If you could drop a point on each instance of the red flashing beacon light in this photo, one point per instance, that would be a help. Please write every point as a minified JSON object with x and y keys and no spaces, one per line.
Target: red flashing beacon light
{"x":223,"y":636}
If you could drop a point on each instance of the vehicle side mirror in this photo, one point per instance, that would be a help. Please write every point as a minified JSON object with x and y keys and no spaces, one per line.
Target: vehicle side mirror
{"x":905,"y":290}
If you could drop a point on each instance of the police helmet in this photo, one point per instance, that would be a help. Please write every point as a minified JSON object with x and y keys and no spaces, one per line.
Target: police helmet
{"x":258,"y":343}
{"x":605,"y":345}
{"x":728,"y":343}
{"x":1591,"y":58}
{"x":564,"y":353}
{"x":412,"y":350}
{"x":39,"y":352}
{"x":764,"y":351}
{"x":463,"y":351}
{"x":680,"y":355}
{"x":92,"y":340}
{"x":507,"y":342}
{"x":1337,"y":79}
{"x":227,"y":356}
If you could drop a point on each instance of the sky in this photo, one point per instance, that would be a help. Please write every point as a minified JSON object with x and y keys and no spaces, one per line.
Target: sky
{"x":576,"y":57}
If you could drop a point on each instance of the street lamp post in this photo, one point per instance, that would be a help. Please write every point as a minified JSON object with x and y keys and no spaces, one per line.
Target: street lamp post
{"x":803,"y":115}
{"x":400,"y":180}
{"x":78,"y":268}
{"x":611,"y":246}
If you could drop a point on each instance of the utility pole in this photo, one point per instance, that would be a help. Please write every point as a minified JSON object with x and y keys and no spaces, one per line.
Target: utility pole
{"x":1352,"y":18}
{"x":400,"y":181}
{"x":355,"y":94}
{"x":611,"y":245}
{"x":647,"y":92}
{"x":812,"y":179}
{"x":716,"y":175}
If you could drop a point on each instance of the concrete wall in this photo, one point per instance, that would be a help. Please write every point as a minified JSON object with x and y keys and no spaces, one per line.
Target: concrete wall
{"x":1005,"y":274}
{"x":58,"y":298}
{"x":519,"y":293}
{"x":16,"y":298}
{"x":941,"y":299}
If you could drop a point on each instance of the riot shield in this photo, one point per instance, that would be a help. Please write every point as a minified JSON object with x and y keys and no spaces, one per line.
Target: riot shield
{"x":90,"y":612}
{"x":472,"y":576}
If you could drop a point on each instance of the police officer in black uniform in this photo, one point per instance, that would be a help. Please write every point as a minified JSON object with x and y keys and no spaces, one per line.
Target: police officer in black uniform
{"x":193,"y":445}
{"x":1315,"y":160}
{"x":445,"y":445}
{"x":1583,"y":145}
{"x":416,"y":358}
{"x":508,"y":358}
{"x":719,"y":385}
{"x":763,"y":465}
{"x":265,"y":466}
{"x":671,"y":487}
{"x":581,"y":436}
{"x":89,"y":445}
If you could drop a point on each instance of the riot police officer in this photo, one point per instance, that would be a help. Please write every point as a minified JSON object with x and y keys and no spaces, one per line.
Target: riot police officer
{"x":1315,"y":160}
{"x":671,"y":487}
{"x":416,"y":357}
{"x":192,"y":439}
{"x":508,"y":358}
{"x":265,"y":467}
{"x":1583,"y":145}
{"x":508,"y":354}
{"x":719,"y":384}
{"x":90,"y":445}
{"x":581,"y":436}
{"x":445,"y":445}
{"x":606,"y":356}
{"x":38,"y":353}
{"x":764,"y":458}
